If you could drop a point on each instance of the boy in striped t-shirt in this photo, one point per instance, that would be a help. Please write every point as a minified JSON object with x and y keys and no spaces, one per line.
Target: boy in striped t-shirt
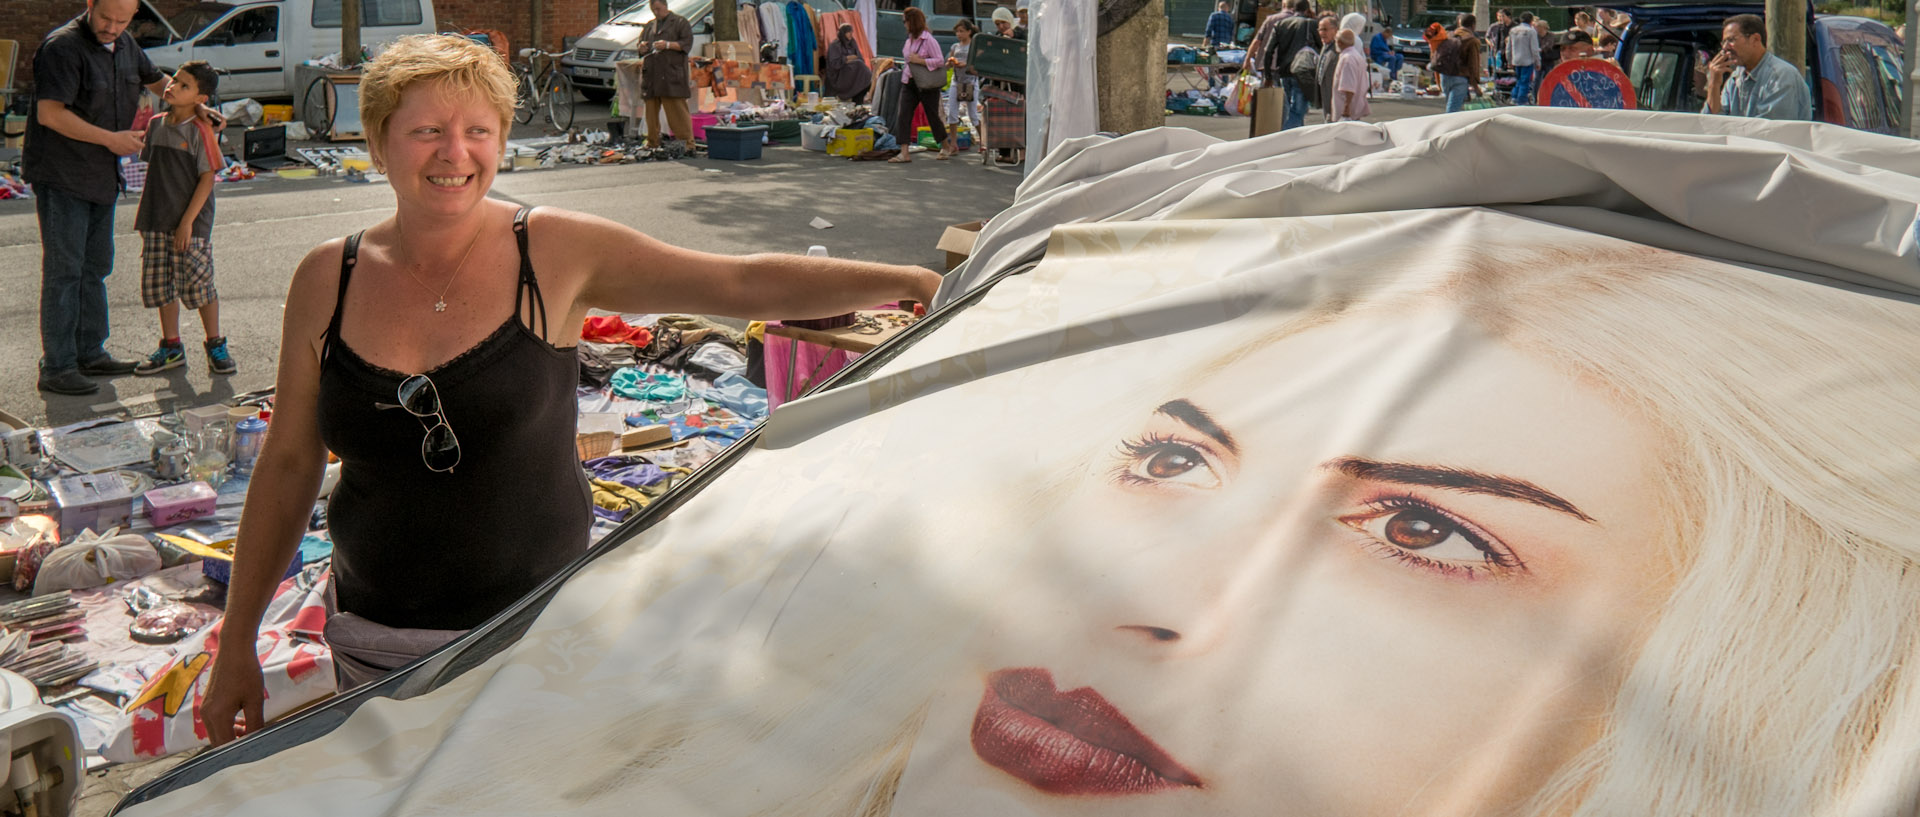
{"x":176,"y":220}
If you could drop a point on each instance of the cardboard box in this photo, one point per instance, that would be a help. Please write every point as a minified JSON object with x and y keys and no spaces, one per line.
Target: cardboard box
{"x":850,"y":142}
{"x":957,"y":242}
{"x":743,"y":51}
{"x":92,"y":501}
{"x":645,"y":437}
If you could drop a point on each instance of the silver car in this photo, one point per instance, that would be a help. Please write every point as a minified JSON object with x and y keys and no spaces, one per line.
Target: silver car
{"x":593,"y":57}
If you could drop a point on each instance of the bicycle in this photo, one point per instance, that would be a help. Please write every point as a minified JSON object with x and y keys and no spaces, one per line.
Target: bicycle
{"x":316,"y":108}
{"x":548,"y":88}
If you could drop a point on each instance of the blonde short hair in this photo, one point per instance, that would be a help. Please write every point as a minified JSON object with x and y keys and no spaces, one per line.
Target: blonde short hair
{"x":465,"y":65}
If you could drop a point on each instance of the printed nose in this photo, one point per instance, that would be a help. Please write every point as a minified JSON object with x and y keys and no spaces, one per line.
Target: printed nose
{"x":1158,"y":634}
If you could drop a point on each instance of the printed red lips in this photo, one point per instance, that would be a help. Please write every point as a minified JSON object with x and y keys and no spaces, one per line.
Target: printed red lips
{"x":1072,"y":742}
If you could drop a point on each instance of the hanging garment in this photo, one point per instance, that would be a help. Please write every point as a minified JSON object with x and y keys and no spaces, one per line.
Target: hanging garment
{"x":830,"y":23}
{"x":801,"y":39}
{"x":773,"y":26}
{"x":1063,"y":103}
{"x":749,"y":21}
{"x":870,"y":19}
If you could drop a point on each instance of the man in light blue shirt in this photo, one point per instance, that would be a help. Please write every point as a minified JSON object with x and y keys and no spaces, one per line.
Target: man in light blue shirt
{"x":1746,"y":80}
{"x":1220,"y":27}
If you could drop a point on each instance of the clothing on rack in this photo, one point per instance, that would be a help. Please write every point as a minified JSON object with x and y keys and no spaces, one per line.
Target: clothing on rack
{"x":830,"y":23}
{"x":773,"y":26}
{"x":870,"y":24}
{"x":801,"y":39}
{"x":749,"y":21}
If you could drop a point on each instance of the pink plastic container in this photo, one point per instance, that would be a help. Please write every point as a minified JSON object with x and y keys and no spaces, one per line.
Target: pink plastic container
{"x":700,"y":123}
{"x":185,"y":502}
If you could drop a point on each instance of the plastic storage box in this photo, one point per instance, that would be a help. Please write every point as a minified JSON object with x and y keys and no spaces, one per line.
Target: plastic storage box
{"x":701,"y":122}
{"x":735,"y":142}
{"x":814,"y":137}
{"x":185,"y":502}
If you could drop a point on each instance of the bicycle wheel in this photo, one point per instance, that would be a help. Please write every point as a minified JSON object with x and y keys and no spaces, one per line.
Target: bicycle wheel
{"x":559,"y":88}
{"x":316,"y":109}
{"x":524,"y":97}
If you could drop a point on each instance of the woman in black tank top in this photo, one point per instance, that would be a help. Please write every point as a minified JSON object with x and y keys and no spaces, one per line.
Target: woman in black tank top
{"x":433,"y":353}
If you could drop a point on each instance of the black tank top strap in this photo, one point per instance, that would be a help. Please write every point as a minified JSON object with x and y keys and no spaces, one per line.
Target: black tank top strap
{"x":349,"y":256}
{"x":527,"y":301}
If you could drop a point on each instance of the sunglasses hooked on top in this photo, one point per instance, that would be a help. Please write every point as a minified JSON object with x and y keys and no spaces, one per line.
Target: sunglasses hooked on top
{"x":440,"y":449}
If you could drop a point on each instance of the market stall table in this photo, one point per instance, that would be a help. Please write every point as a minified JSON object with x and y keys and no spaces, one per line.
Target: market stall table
{"x":871,"y":328}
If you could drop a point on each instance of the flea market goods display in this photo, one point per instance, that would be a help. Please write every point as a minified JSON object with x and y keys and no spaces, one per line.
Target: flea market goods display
{"x":124,"y":531}
{"x":1506,"y":509}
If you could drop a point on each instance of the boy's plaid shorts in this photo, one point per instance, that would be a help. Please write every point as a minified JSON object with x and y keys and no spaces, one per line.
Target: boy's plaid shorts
{"x":166,"y":275}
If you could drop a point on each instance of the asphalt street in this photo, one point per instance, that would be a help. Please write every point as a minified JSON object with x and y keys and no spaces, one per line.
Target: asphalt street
{"x":879,"y":212}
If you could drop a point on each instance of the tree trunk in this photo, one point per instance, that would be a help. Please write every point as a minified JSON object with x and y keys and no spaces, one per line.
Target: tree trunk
{"x":1787,"y":31}
{"x":537,"y":28}
{"x":350,"y":32}
{"x":1130,"y":68}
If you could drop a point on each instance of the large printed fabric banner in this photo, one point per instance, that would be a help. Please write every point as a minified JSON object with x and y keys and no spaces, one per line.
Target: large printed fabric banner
{"x":1443,"y":511}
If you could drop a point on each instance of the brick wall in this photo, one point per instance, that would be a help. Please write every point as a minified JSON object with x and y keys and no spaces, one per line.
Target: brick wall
{"x":559,"y":18}
{"x":27,"y":21}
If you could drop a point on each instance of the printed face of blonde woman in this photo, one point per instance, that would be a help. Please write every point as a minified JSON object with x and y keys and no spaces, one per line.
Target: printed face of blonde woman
{"x":1384,"y":566}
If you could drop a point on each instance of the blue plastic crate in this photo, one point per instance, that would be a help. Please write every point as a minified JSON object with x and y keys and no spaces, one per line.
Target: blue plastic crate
{"x":734,"y":142}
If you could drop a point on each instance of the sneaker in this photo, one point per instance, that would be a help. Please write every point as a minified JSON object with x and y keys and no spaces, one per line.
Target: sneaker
{"x":168,"y":356}
{"x":68,"y":381}
{"x":218,"y":358}
{"x":107,"y":366}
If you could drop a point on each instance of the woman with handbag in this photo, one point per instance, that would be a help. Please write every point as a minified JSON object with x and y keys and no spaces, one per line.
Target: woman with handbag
{"x":921,"y":82}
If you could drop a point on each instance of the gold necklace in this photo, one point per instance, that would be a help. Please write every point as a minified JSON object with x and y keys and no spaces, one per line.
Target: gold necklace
{"x":440,"y":298}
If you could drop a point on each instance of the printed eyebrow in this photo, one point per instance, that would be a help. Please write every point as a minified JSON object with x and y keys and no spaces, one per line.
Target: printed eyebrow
{"x":1197,"y":418}
{"x":1457,"y":479}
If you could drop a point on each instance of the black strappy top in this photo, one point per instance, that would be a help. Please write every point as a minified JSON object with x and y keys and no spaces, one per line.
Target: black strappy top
{"x":446,"y":551}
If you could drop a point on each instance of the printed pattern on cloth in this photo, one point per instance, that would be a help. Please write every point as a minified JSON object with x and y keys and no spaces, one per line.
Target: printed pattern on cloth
{"x":166,"y":275}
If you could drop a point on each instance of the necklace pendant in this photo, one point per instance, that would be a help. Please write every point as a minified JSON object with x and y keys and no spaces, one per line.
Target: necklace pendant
{"x":440,"y":306}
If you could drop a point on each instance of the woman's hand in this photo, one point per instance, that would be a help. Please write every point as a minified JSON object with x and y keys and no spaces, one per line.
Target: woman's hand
{"x":235,"y":685}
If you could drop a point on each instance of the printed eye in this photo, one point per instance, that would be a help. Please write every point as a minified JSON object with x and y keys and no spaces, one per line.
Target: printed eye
{"x":1157,"y":460}
{"x":1415,"y":532}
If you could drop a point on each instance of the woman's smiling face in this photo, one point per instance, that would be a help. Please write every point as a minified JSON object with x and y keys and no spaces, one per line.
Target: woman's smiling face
{"x":1383,"y":566}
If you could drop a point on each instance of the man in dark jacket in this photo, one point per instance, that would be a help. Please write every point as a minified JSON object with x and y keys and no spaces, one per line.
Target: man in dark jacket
{"x":664,"y":80}
{"x":89,"y":73}
{"x":1289,"y":37}
{"x":1329,"y":60}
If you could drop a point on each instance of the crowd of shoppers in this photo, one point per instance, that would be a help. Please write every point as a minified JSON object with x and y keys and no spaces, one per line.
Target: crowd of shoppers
{"x":1303,"y":54}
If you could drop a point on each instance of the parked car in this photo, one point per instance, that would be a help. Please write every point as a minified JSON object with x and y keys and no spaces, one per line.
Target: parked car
{"x":1409,"y":39}
{"x":1853,"y":63}
{"x":255,"y":45}
{"x":941,"y":15}
{"x":591,"y":63}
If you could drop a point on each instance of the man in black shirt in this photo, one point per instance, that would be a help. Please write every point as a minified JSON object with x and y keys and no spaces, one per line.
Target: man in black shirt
{"x":89,"y":74}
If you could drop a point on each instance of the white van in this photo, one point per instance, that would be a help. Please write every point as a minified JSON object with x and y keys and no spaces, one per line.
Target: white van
{"x":255,"y":44}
